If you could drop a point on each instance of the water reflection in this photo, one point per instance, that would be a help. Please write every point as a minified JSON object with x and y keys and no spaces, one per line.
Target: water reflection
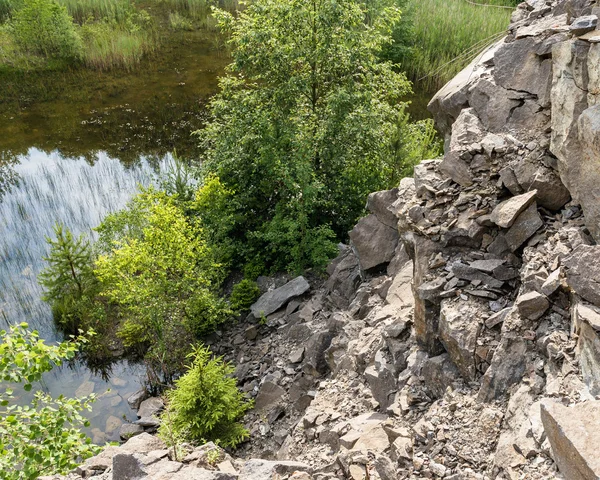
{"x":79,"y":193}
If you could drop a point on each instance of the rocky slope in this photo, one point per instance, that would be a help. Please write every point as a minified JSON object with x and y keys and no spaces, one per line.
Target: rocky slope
{"x":458,"y":336}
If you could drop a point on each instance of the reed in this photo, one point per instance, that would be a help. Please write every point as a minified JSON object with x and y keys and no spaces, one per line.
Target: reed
{"x":85,"y":10}
{"x":448,"y":34}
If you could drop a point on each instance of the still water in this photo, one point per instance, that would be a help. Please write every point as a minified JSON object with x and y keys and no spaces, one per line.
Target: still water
{"x":76,"y":155}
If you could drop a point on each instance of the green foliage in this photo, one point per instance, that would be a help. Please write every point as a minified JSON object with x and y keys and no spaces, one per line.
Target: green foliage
{"x":43,"y":27}
{"x":42,"y":438}
{"x":244,"y":294}
{"x":163,"y":278}
{"x":300,"y":130}
{"x":205,"y":403}
{"x":68,"y":279}
{"x":179,"y":22}
{"x":105,"y":10}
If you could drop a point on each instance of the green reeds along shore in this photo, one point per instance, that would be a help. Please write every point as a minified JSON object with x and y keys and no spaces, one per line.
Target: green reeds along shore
{"x":448,"y":34}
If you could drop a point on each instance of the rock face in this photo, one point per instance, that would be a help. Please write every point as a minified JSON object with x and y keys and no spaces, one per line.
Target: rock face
{"x":574,"y":436}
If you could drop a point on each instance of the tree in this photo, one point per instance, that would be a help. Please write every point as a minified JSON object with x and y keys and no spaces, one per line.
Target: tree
{"x":301,"y":130}
{"x":42,"y":438}
{"x":68,"y":279}
{"x":205,"y":403}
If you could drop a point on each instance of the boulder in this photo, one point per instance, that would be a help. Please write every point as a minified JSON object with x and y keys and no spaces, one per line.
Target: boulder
{"x":137,"y":398}
{"x":586,"y":323}
{"x":382,"y":382}
{"x":439,"y":373}
{"x":269,"y":394}
{"x":456,"y":168}
{"x":584,"y":24}
{"x":583,"y":272}
{"x":506,"y":369}
{"x":551,"y":192}
{"x":374,"y":241}
{"x":505,"y":213}
{"x":128,"y":466}
{"x":151,"y":407}
{"x":532,"y":305}
{"x":574,"y":435}
{"x":524,"y":227}
{"x":275,"y":299}
{"x":143,"y":443}
{"x":129,"y":430}
{"x":458,"y":330}
{"x":344,"y":278}
{"x":378,"y":203}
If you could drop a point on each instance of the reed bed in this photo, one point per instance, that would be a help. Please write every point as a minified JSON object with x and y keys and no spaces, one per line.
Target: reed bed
{"x":85,"y":10}
{"x":448,"y":34}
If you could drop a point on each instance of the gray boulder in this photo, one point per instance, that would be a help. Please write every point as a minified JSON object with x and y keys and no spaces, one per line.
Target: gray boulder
{"x":586,"y":321}
{"x":532,"y":305}
{"x":374,"y":241}
{"x":574,"y":436}
{"x":275,"y":299}
{"x":524,"y":227}
{"x":151,"y":407}
{"x":505,"y":213}
{"x":378,"y":203}
{"x":257,"y":469}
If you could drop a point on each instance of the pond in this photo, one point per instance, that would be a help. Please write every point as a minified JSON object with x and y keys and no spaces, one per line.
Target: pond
{"x":76,"y":147}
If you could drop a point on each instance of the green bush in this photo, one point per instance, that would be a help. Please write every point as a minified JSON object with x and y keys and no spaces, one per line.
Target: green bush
{"x":43,"y":27}
{"x":244,"y":294}
{"x":42,"y":438}
{"x":205,"y":404}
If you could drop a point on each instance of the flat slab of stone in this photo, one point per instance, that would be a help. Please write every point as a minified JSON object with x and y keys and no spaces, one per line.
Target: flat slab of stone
{"x":275,"y":299}
{"x":582,"y":25}
{"x":524,"y":227}
{"x":456,"y":169}
{"x":257,"y":469}
{"x":583,"y":272}
{"x":574,"y":434}
{"x":151,"y":407}
{"x":268,"y":395}
{"x":505,"y":213}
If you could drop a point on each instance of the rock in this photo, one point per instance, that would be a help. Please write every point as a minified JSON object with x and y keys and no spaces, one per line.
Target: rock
{"x":456,"y":169}
{"x":583,"y":272}
{"x":505,"y":214}
{"x":275,"y":299}
{"x":378,"y":203}
{"x":374,"y":241}
{"x":192,"y":473}
{"x":383,"y":384}
{"x":112,"y":424}
{"x":344,"y":278}
{"x":584,"y":24}
{"x":524,"y":227}
{"x":467,"y":130}
{"x":297,"y":355}
{"x":439,"y":373}
{"x":506,"y":369}
{"x":269,"y":394}
{"x":129,"y":430}
{"x":552,"y":283}
{"x":586,"y":323}
{"x":551,"y":193}
{"x":251,"y":332}
{"x":137,"y":398}
{"x":532,"y":305}
{"x":497,"y":318}
{"x":574,"y":436}
{"x":466,"y":272}
{"x":85,"y":389}
{"x":402,"y":450}
{"x":257,"y":469}
{"x":148,"y":422}
{"x":385,"y":468}
{"x":143,"y":443}
{"x":150,"y":407}
{"x":127,"y":466}
{"x":487,"y":266}
{"x":458,"y":330}
{"x":374,"y":440}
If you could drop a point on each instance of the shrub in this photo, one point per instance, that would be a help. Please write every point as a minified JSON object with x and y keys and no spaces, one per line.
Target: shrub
{"x":164,"y":280}
{"x":244,"y":294}
{"x":44,"y":27}
{"x":205,"y":404}
{"x":42,"y":438}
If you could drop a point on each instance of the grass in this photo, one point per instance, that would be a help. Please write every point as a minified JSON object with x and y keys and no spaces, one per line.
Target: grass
{"x":108,"y":45}
{"x":448,"y":34}
{"x":85,"y":10}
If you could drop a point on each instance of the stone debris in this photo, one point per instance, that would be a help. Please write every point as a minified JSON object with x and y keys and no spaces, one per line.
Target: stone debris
{"x":275,"y":299}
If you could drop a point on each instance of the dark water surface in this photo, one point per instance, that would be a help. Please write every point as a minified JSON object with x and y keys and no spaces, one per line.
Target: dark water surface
{"x":75,"y":150}
{"x":75,"y":146}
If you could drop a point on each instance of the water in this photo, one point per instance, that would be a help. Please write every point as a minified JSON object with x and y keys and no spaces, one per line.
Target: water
{"x":77,"y":151}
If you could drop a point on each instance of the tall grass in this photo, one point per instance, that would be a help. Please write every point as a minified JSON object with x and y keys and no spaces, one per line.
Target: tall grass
{"x":448,"y":34}
{"x":108,"y":46}
{"x":84,"y":10}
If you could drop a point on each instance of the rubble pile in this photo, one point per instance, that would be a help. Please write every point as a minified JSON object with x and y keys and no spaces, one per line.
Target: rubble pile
{"x":458,"y":336}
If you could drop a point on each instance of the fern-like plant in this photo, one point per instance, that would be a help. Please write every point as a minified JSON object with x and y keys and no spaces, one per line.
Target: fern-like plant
{"x":205,"y":404}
